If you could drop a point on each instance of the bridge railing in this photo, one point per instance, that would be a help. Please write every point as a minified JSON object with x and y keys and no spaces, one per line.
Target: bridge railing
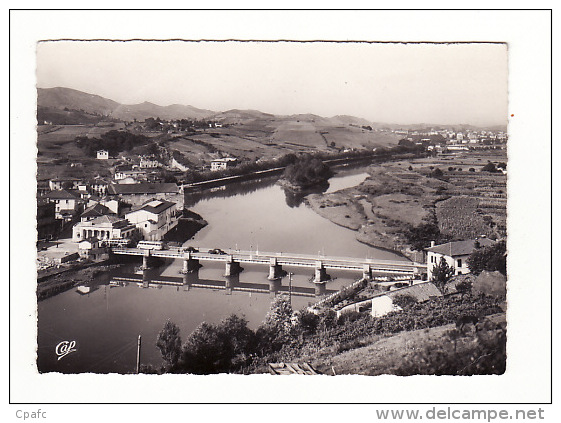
{"x":288,"y":259}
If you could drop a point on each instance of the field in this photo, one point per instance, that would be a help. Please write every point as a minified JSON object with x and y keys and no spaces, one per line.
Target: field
{"x":263,"y":138}
{"x":400,"y":353}
{"x":401,"y":195}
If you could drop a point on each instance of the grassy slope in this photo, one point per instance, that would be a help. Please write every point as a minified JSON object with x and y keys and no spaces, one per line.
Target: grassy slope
{"x":386,"y":354}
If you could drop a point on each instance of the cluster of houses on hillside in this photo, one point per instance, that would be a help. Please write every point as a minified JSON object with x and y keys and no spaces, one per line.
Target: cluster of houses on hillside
{"x":147,"y":168}
{"x":455,"y":254}
{"x":99,"y":212}
{"x":453,"y":137}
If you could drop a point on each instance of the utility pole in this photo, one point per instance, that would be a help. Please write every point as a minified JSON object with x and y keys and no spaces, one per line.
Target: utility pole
{"x":138,"y":355}
{"x":290,"y":288}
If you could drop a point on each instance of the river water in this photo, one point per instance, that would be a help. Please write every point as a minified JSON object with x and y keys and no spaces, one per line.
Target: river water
{"x":254,"y":215}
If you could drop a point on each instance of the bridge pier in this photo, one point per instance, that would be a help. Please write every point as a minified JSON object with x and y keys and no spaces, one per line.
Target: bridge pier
{"x":145,"y":278}
{"x":274,"y":285}
{"x":231,"y":282}
{"x":189,"y":264}
{"x":275,"y":270}
{"x":320,"y":273}
{"x":367,"y":272}
{"x":232,"y":267}
{"x":146,"y":260}
{"x":320,"y":289}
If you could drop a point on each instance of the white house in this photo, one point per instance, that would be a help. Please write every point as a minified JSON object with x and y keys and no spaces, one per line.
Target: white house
{"x":61,"y":183}
{"x":147,"y":162}
{"x":220,"y":164}
{"x":95,"y":210}
{"x":67,"y":203}
{"x":384,"y":303}
{"x":154,"y":219}
{"x":111,"y":229}
{"x":455,"y":253}
{"x":102,"y":155}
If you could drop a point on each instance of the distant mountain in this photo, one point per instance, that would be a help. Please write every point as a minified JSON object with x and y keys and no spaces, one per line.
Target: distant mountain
{"x":237,"y":116}
{"x":60,"y":98}
{"x":351,"y":120}
{"x":146,"y":110}
{"x":68,"y":106}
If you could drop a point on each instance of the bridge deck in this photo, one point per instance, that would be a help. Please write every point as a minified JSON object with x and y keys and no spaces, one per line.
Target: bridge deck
{"x":283,"y":259}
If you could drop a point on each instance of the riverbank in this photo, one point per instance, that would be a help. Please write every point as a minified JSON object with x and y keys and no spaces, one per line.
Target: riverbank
{"x":74,"y":275}
{"x":187,"y":226}
{"x":383,"y":208}
{"x":402,"y":195}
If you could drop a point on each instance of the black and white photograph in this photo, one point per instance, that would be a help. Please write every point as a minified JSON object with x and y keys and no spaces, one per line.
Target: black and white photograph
{"x":305,"y":206}
{"x":282,"y":213}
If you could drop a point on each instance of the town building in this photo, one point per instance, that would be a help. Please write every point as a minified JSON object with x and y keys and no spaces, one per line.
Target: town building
{"x":102,"y":155}
{"x":455,"y":253}
{"x":147,"y":162}
{"x":109,"y":229}
{"x":68,"y":203}
{"x":93,"y":211}
{"x":129,"y":176}
{"x":64,"y":183}
{"x":92,"y":248}
{"x":138,"y":194}
{"x":383,"y":304}
{"x":48,"y":226}
{"x":220,"y":164}
{"x":114,"y":205}
{"x":98,"y":186}
{"x":154,"y":219}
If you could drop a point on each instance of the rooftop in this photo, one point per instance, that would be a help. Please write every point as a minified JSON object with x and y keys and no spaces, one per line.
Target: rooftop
{"x":96,"y":210}
{"x":421,"y":292}
{"x":62,"y":194}
{"x":459,"y":248}
{"x":143,"y":188}
{"x":155,"y":206}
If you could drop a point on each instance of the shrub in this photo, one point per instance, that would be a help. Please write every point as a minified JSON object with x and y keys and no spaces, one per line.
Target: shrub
{"x":489,"y":258}
{"x":489,"y":167}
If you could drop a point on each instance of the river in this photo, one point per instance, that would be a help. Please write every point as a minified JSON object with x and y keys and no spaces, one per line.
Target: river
{"x":251,"y":215}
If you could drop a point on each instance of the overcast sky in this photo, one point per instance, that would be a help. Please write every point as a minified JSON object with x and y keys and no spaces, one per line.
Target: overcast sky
{"x":394,"y":83}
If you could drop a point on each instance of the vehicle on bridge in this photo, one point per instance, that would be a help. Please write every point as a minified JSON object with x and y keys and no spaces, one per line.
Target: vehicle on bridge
{"x":151,"y":245}
{"x":216,"y":251}
{"x":190,"y":250}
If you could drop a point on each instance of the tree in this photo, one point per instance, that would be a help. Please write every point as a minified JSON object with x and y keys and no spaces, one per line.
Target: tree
{"x":420,"y":236}
{"x":307,"y":171}
{"x":404,"y":300}
{"x":437,"y":173}
{"x":490,"y":258}
{"x":239,"y":335}
{"x":169,"y":343}
{"x":279,"y":316}
{"x":206,"y":351}
{"x":489,"y":167}
{"x":442,"y":273}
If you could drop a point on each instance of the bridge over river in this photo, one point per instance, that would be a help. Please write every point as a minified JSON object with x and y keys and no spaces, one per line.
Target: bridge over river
{"x":276,"y":260}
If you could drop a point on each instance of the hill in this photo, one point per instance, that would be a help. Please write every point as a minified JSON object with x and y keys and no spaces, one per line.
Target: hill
{"x":241,"y":116}
{"x":422,"y":351}
{"x":60,"y":98}
{"x":146,"y":110}
{"x":51,"y":101}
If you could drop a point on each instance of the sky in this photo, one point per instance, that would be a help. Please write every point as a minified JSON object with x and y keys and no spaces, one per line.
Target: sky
{"x":391,"y":83}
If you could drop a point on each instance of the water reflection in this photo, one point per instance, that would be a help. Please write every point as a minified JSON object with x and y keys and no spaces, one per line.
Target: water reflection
{"x":296,"y":198}
{"x":224,"y":191}
{"x":230,"y":284}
